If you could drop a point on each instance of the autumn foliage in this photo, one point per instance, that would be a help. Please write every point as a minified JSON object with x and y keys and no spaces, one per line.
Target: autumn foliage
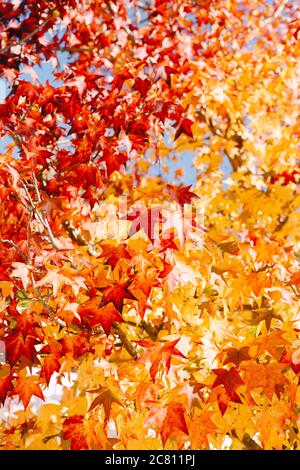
{"x":189,"y":340}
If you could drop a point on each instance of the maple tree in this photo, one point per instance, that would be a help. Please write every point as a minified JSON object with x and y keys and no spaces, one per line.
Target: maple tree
{"x":173,"y":336}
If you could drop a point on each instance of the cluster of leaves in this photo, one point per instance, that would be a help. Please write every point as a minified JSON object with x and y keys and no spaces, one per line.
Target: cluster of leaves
{"x":190,"y":342}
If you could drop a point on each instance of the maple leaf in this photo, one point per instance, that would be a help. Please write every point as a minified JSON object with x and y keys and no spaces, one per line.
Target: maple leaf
{"x":181,"y":195}
{"x":114,"y":253}
{"x":168,"y":244}
{"x":51,"y":364}
{"x":26,"y":387}
{"x":58,"y":280}
{"x":167,"y":268}
{"x":142,"y":86}
{"x":236,"y":356}
{"x":106,"y":396}
{"x":262,"y":314}
{"x":18,"y":346}
{"x":120,"y":79}
{"x":231,"y":381}
{"x":273,"y":343}
{"x":75,"y":345}
{"x":93,"y":313}
{"x":295,"y":361}
{"x":73,"y":430}
{"x":157,"y":354}
{"x":116,"y":294}
{"x":200,"y":427}
{"x":6,"y":382}
{"x":146,"y":220}
{"x":173,"y":422}
{"x":144,"y":283}
{"x":185,"y":127}
{"x":268,"y":376}
{"x":295,"y":280}
{"x":22,"y":271}
{"x":230,"y":246}
{"x":169,"y":71}
{"x":114,"y":162}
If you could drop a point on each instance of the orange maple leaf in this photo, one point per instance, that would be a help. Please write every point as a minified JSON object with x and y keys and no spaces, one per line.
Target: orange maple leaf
{"x":200,"y":427}
{"x":6,"y":385}
{"x":268,"y":376}
{"x":51,"y":364}
{"x":26,"y":388}
{"x":156,"y":354}
{"x":236,"y":356}
{"x":106,"y":396}
{"x":173,"y":422}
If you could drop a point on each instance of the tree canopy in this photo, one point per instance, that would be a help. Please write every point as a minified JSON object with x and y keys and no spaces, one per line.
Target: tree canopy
{"x":164,"y":314}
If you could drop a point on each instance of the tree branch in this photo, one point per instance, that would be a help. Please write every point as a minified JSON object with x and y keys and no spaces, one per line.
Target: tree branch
{"x":10,"y":242}
{"x":41,"y":216}
{"x":26,"y":38}
{"x":130,"y":348}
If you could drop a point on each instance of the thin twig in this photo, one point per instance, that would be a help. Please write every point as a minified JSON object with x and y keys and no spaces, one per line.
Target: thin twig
{"x":41,"y":216}
{"x":236,"y":161}
{"x":28,"y":229}
{"x":26,"y":38}
{"x":48,"y":228}
{"x":282,"y":222}
{"x":10,"y":242}
{"x":35,"y":184}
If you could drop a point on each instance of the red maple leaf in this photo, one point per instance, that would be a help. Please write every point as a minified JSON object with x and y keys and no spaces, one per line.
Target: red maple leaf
{"x":166,"y":269}
{"x":114,"y":161}
{"x":230,"y":380}
{"x":73,"y":430}
{"x":185,"y":127}
{"x":116,"y":294}
{"x":145,"y":219}
{"x":18,"y":346}
{"x":114,"y":253}
{"x":142,"y":86}
{"x":120,"y":79}
{"x":181,"y":195}
{"x":169,"y":71}
{"x":96,"y":315}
